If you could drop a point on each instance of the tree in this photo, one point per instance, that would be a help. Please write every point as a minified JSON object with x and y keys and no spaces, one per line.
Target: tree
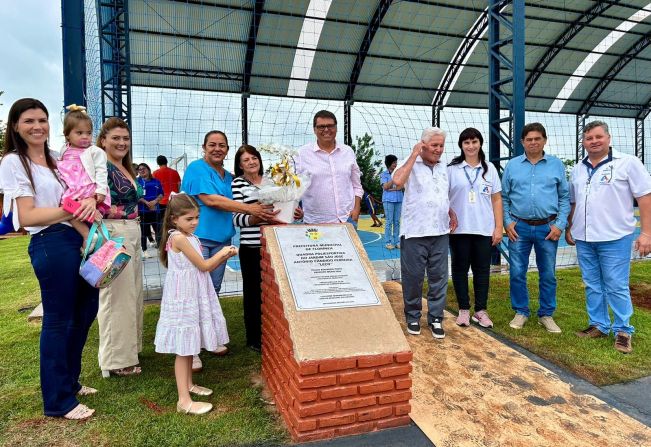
{"x":370,"y":164}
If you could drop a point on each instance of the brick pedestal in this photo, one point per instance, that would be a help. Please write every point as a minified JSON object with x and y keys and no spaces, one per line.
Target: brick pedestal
{"x":328,"y":393}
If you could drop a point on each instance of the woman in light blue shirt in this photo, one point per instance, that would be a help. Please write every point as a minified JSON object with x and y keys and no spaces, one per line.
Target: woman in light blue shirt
{"x":392,"y":202}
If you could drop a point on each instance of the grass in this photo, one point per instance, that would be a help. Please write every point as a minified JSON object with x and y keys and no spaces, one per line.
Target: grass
{"x":138,"y":411}
{"x":596,"y":360}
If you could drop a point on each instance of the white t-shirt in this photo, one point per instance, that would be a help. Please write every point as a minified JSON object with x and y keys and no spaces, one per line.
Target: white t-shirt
{"x":476,"y":217}
{"x":425,"y":204}
{"x":14,"y":182}
{"x":604,"y":202}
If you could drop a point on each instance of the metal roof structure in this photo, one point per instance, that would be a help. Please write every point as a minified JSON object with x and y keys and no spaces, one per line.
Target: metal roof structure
{"x":401,"y":52}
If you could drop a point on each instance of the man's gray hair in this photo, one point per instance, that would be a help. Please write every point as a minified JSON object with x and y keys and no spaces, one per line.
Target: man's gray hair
{"x":430,"y":132}
{"x":591,"y":125}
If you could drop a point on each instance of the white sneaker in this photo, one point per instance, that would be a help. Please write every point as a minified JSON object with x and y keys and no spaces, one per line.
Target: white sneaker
{"x":518,"y":321}
{"x":197,"y":366}
{"x":549,"y":324}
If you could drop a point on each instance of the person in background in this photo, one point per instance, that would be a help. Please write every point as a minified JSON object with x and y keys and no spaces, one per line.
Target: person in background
{"x":148,"y":206}
{"x":476,"y":200}
{"x":602,"y":225}
{"x":370,"y":206}
{"x":392,"y":203}
{"x":536,"y":202}
{"x":169,"y":178}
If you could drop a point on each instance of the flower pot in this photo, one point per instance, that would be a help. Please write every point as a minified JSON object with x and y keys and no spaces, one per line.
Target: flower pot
{"x":286,"y":213}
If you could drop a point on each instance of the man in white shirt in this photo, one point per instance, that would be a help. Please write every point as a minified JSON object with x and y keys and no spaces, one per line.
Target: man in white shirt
{"x":335,"y":192}
{"x":602,"y":224}
{"x":426,"y":224}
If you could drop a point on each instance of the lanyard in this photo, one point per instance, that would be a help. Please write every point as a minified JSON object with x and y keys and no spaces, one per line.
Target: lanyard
{"x":472,"y":183}
{"x":592,"y":170}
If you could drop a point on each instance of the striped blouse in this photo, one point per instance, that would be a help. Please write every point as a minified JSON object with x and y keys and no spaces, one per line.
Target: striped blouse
{"x":249,"y":234}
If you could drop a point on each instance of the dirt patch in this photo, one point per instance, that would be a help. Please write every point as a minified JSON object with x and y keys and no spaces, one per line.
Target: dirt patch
{"x":641,"y":295}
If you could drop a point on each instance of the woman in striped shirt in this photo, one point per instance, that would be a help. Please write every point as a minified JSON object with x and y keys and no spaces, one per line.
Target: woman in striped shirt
{"x":248,"y":172}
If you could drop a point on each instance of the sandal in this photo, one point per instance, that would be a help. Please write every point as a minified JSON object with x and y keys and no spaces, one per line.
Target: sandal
{"x":122,"y":372}
{"x":221,"y":351}
{"x":80,"y":412}
{"x":86,"y":391}
{"x":200,"y":390}
{"x":195,"y":408}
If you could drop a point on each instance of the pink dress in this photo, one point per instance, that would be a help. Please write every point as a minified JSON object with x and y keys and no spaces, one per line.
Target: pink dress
{"x":190,"y":315}
{"x":72,"y":172}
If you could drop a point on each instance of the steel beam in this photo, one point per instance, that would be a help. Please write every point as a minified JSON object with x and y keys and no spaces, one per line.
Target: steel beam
{"x":348,"y":138}
{"x":74,"y":52}
{"x":245,"y":118}
{"x":256,"y":15}
{"x":580,"y":150}
{"x":639,"y":139}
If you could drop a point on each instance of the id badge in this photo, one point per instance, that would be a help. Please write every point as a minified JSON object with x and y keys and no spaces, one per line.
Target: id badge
{"x":472,"y":197}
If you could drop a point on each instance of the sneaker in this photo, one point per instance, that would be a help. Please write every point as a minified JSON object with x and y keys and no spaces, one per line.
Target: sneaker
{"x":481,"y":318}
{"x":437,"y":328}
{"x":413,"y":328}
{"x":623,"y":343}
{"x":590,"y":332}
{"x":398,"y":246}
{"x":518,"y":321}
{"x":389,"y":246}
{"x":549,"y":324}
{"x":464,"y":318}
{"x":197,"y":366}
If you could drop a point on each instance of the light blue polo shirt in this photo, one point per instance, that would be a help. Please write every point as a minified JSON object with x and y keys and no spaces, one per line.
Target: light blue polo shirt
{"x":200,"y":178}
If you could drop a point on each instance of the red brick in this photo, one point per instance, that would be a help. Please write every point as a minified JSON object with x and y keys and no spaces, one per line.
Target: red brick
{"x":393,"y":422}
{"x":394,"y":397}
{"x":355,"y":429}
{"x":340,"y":391}
{"x":357,"y":402}
{"x":375,"y":413}
{"x":316,"y":381}
{"x":313,"y":436}
{"x":393,"y":371}
{"x":308,"y":368}
{"x":341,"y":419}
{"x":404,"y":357}
{"x":329,"y":365}
{"x":301,"y":424}
{"x":374,"y":360}
{"x":356,"y":376}
{"x":303,"y":396}
{"x":403,"y":384}
{"x":315,"y":409}
{"x":376,"y":387}
{"x":402,"y":409}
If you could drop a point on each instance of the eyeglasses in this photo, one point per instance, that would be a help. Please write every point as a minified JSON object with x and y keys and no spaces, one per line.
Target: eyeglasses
{"x":322,"y":127}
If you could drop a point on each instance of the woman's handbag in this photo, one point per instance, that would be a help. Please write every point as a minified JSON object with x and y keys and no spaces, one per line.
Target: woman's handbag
{"x":105,"y":264}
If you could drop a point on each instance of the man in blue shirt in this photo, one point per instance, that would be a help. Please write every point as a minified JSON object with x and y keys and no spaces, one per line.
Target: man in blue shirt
{"x":536,"y":200}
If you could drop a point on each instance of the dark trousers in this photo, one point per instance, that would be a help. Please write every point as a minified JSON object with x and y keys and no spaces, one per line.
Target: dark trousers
{"x":251,"y":278}
{"x":149,"y":222}
{"x":471,"y":251}
{"x":69,"y":308}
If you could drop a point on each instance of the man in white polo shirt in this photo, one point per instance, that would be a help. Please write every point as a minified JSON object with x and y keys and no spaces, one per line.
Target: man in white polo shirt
{"x":426,"y":224}
{"x":602,"y":225}
{"x":335,"y":191}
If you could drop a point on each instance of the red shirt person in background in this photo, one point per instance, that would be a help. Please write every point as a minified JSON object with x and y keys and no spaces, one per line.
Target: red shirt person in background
{"x":169,"y":178}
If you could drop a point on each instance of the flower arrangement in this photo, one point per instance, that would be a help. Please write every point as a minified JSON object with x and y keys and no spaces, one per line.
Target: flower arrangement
{"x":285,"y":187}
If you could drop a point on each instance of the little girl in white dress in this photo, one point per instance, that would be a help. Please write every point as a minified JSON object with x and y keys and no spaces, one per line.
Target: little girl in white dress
{"x":191,"y":318}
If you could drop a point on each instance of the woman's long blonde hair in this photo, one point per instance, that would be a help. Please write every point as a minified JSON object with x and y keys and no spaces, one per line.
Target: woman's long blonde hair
{"x":178,"y":205}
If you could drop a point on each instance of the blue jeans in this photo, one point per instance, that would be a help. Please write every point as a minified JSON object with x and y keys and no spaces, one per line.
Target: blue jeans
{"x":605,"y":268}
{"x":69,"y":308}
{"x":533,"y":236}
{"x":208,"y":249}
{"x":392,"y":212}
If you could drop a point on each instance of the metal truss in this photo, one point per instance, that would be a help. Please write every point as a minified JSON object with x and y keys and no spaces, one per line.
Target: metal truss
{"x":575,"y":27}
{"x":348,"y":137}
{"x":639,"y":139}
{"x":580,"y":150}
{"x":256,"y":15}
{"x":113,"y":27}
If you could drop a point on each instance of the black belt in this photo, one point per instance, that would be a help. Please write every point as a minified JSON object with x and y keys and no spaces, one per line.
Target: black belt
{"x":536,"y":222}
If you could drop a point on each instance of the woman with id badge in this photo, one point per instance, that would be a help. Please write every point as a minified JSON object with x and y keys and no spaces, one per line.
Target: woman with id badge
{"x":476,"y":199}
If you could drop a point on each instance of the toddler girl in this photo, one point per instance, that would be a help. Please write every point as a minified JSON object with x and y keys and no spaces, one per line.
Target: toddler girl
{"x":190,"y":315}
{"x":82,"y":166}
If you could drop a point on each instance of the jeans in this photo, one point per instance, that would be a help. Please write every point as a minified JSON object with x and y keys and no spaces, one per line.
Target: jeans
{"x":208,"y":249}
{"x":605,"y":268}
{"x":420,"y":255}
{"x":69,"y":308}
{"x":533,"y":236}
{"x":471,"y":251}
{"x":250,"y":258}
{"x":392,"y":212}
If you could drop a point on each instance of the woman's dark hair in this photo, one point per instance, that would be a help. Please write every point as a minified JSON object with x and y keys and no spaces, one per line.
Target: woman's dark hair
{"x":14,"y":143}
{"x":389,"y":159}
{"x":212,"y":132}
{"x":146,"y":166}
{"x":471,"y":133}
{"x":246,"y":149}
{"x":178,"y":205}
{"x":109,"y":125}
